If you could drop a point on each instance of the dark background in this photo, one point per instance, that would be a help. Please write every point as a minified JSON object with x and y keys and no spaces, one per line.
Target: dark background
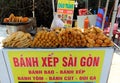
{"x":43,"y":9}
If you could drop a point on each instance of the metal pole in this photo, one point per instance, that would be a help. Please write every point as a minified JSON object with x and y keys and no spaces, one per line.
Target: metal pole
{"x":106,"y":8}
{"x":116,"y":46}
{"x":99,"y":4}
{"x":53,"y":4}
{"x":86,"y":4}
{"x":113,"y":18}
{"x":33,"y":9}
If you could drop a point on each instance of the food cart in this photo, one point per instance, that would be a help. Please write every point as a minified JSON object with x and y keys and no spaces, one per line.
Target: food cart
{"x":77,"y":65}
{"x":59,"y":55}
{"x":56,"y":65}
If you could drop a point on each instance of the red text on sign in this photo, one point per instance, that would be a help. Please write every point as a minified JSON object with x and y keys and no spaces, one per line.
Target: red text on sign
{"x":49,"y":61}
{"x":69,"y":61}
{"x":25,"y":61}
{"x":90,"y":61}
{"x":24,"y":78}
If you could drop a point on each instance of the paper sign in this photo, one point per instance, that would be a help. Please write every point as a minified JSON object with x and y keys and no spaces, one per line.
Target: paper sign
{"x":65,"y":10}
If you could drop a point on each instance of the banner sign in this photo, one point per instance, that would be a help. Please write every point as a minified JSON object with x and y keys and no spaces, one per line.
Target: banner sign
{"x":65,"y":11}
{"x":80,"y":66}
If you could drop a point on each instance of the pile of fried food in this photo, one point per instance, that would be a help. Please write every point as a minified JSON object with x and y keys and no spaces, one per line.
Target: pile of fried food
{"x":15,"y":19}
{"x":18,"y":40}
{"x":95,"y":38}
{"x":45,"y":39}
{"x":59,"y":37}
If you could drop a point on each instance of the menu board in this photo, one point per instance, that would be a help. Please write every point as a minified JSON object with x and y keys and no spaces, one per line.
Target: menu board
{"x":65,"y":11}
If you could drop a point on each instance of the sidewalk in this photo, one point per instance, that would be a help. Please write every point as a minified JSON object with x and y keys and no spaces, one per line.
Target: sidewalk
{"x":114,"y":76}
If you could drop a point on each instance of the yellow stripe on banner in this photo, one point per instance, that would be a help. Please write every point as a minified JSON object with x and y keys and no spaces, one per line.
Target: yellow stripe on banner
{"x":66,"y":1}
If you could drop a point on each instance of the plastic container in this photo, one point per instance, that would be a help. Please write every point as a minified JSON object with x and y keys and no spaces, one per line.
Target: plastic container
{"x":86,"y":23}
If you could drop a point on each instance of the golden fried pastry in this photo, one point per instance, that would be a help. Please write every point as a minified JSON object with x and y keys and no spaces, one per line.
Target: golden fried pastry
{"x":95,"y":38}
{"x":6,"y":20}
{"x":68,"y":37}
{"x":71,"y":37}
{"x":45,"y":39}
{"x":98,"y":41}
{"x":18,"y":39}
{"x":24,"y":19}
{"x":57,"y":29}
{"x":98,"y":30}
{"x":13,"y":18}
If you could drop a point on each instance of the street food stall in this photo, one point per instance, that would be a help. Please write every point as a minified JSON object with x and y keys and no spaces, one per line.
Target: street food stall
{"x":67,"y":55}
{"x":57,"y":55}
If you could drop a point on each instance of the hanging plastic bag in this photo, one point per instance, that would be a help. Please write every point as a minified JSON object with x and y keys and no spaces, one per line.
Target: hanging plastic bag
{"x":57,"y":22}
